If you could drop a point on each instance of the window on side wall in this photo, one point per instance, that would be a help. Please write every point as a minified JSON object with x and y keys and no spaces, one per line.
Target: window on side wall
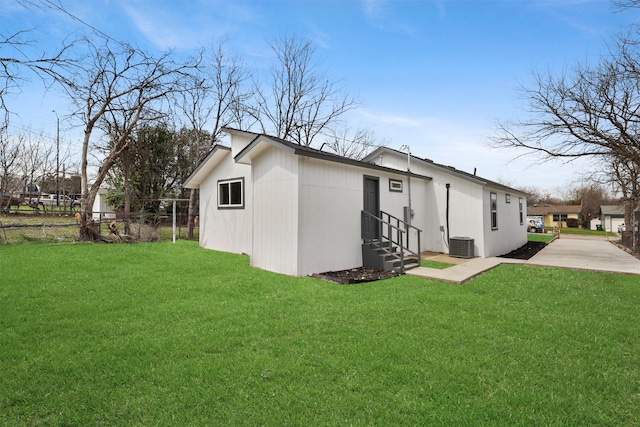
{"x":521,"y":215}
{"x":231,"y":194}
{"x":494,"y":211}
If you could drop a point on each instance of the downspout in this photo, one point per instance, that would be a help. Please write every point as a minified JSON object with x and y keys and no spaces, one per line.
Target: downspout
{"x":447,"y":214}
{"x":409,"y":184}
{"x":408,"y":180}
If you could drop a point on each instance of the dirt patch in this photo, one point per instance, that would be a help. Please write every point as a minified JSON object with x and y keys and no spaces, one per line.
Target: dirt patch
{"x":526,"y":251}
{"x":355,"y":275}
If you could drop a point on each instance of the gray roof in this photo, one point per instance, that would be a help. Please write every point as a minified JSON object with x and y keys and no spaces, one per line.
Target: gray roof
{"x":303,"y":150}
{"x":465,"y":175}
{"x":612,"y":210}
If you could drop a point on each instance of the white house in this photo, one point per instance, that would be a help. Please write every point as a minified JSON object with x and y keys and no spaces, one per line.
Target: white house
{"x":296,"y":210}
{"x":610,"y":218}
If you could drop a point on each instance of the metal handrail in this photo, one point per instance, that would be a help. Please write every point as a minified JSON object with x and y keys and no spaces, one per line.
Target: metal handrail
{"x":399,"y":233}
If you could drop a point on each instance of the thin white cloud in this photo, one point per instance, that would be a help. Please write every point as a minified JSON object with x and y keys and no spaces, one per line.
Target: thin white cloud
{"x":166,"y":29}
{"x":374,"y":9}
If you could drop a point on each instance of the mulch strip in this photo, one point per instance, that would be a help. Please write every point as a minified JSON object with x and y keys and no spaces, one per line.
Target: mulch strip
{"x":355,"y":275}
{"x":362,"y":275}
{"x":526,"y":251}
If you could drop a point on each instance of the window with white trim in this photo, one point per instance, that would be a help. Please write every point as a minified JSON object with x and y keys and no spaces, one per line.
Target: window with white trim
{"x":231,"y":194}
{"x":494,"y":211}
{"x":395,"y":185}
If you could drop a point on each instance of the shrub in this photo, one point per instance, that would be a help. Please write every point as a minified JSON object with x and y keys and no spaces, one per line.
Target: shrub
{"x":572,"y":222}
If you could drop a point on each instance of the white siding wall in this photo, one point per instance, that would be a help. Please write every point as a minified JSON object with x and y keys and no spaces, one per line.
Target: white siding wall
{"x":394,"y":203}
{"x":226,"y":230}
{"x":239,"y":142}
{"x":465,"y":211}
{"x":510,"y":234}
{"x":275,"y":196}
{"x":469,"y":211}
{"x":331,"y":198}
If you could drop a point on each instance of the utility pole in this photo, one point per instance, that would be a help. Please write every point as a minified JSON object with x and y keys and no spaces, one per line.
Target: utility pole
{"x":57,"y":160}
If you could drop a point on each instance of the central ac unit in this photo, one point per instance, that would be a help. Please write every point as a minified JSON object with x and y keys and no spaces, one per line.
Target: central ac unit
{"x":461,"y":247}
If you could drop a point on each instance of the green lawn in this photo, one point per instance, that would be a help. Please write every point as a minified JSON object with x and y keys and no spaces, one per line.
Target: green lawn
{"x":162,"y":334}
{"x":534,"y":237}
{"x":587,"y":232}
{"x":435,"y":264}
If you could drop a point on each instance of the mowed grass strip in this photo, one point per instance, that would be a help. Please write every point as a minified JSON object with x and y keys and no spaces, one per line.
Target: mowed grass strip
{"x":162,"y":334}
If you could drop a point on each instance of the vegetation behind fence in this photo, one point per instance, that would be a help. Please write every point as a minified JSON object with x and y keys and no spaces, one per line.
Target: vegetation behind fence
{"x":59,"y":227}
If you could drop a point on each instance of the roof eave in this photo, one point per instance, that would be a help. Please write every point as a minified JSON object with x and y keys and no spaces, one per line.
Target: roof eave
{"x":206,"y":165}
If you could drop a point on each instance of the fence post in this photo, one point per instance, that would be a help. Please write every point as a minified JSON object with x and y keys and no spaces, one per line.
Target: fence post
{"x":635,"y":230}
{"x":174,"y":220}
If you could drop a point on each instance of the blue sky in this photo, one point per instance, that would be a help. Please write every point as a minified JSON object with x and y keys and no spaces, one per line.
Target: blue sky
{"x":435,"y":75}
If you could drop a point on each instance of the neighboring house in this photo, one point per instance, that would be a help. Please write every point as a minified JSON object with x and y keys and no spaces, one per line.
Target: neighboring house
{"x":555,"y":216}
{"x":298,"y":211}
{"x":610,"y":218}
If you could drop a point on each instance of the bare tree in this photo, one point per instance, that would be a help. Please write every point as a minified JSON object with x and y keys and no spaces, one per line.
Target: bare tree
{"x":299,"y":102}
{"x":10,"y":151}
{"x":36,"y":161}
{"x":120,"y":87}
{"x":18,"y":63}
{"x":590,"y":195}
{"x":594,"y":112}
{"x":625,"y":4}
{"x":216,"y":98}
{"x":351,"y":143}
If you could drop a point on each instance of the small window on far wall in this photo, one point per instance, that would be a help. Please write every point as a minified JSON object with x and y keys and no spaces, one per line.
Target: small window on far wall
{"x":395,"y":185}
{"x":494,"y":211}
{"x":521,"y":215}
{"x":231,"y":194}
{"x":507,"y":198}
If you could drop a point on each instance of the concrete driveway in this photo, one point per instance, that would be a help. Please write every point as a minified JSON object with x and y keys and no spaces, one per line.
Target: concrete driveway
{"x":586,"y":253}
{"x":570,"y":251}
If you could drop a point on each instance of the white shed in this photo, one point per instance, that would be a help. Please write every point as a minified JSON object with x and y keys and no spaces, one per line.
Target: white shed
{"x":101,"y":209}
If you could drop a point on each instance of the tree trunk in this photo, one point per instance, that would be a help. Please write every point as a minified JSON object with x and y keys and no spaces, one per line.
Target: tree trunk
{"x":127,"y":195}
{"x":192,"y":213}
{"x":88,"y":228}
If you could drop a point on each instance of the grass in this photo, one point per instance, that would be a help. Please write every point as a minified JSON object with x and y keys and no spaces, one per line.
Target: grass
{"x":435,"y":264}
{"x":534,"y":237}
{"x":587,"y":232}
{"x":162,"y":334}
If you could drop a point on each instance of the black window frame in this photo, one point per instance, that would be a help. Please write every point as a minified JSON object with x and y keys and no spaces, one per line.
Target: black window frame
{"x":521,"y":212}
{"x":228,"y":199}
{"x":493,"y":207}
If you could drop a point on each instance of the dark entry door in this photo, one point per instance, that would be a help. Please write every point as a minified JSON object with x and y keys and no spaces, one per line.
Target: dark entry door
{"x":371,"y":205}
